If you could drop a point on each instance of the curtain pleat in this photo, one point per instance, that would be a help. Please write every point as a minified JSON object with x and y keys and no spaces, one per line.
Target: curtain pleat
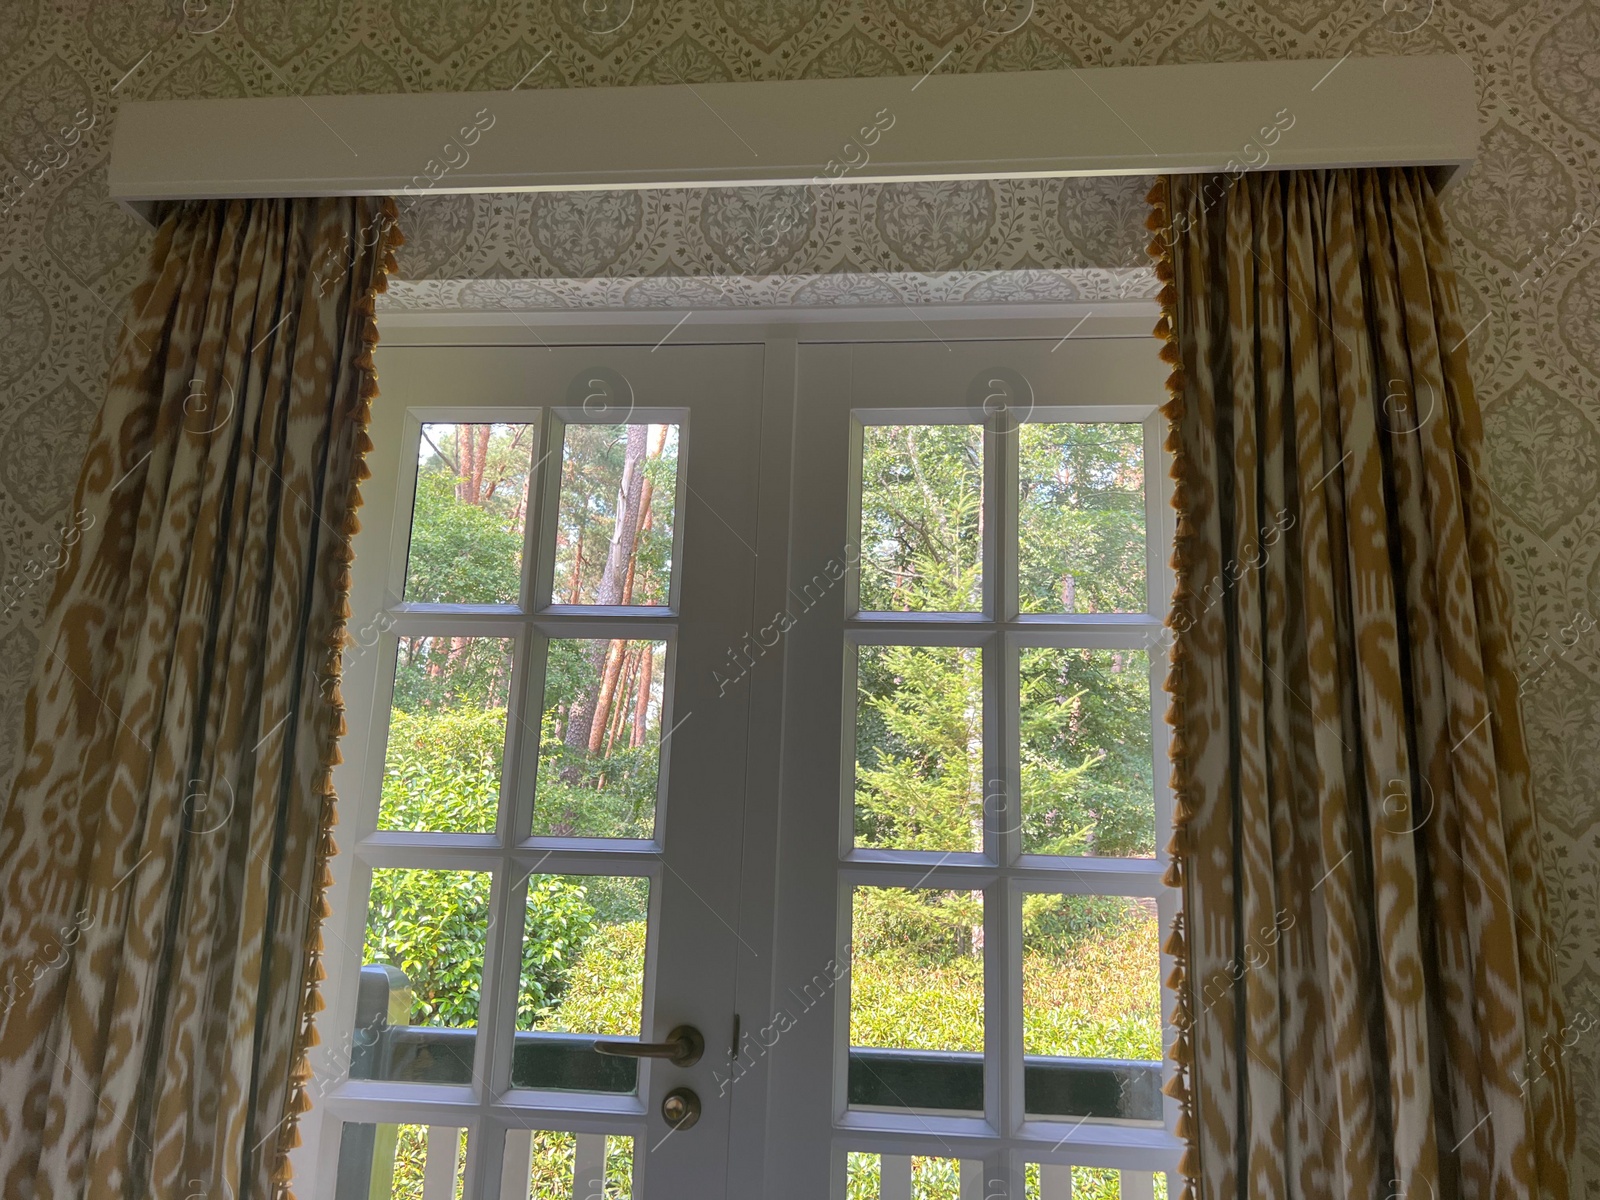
{"x":163,"y":848}
{"x":1367,"y":1003}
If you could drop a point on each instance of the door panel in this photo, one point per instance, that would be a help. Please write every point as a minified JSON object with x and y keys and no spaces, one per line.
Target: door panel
{"x":541,"y":807}
{"x":942,"y":485}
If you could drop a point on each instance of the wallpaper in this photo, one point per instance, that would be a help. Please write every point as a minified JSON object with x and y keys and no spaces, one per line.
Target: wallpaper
{"x":1523,"y":230}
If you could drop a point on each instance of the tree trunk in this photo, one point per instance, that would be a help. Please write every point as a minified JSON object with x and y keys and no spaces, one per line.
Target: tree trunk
{"x":588,"y":711}
{"x":641,"y":707}
{"x":616,"y":652}
{"x":472,"y":451}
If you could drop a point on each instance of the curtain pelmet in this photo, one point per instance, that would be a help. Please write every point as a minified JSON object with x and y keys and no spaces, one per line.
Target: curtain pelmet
{"x":1367,"y":998}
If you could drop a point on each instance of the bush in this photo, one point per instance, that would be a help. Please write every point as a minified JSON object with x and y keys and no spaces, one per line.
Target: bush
{"x":433,"y":926}
{"x":605,"y":988}
{"x":441,"y":770}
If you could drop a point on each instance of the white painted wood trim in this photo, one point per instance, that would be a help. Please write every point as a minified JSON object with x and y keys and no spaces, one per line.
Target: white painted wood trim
{"x":1055,"y":1181}
{"x":1101,"y":121}
{"x":517,"y":1164}
{"x":894,"y":1177}
{"x":971,"y":1170}
{"x":439,"y":1167}
{"x":589,"y":1167}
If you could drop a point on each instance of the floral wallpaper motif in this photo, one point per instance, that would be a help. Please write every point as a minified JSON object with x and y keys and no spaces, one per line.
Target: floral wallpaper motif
{"x":1523,"y":226}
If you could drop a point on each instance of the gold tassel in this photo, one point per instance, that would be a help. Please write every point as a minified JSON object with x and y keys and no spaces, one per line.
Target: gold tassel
{"x":1162,"y":249}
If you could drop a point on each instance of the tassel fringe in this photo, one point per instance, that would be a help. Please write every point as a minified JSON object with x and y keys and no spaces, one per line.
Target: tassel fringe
{"x":1161,"y":226}
{"x":298,"y":1102}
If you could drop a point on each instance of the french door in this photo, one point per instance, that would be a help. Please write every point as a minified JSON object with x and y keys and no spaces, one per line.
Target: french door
{"x":751,"y":781}
{"x":974,"y":819}
{"x":541,"y":815}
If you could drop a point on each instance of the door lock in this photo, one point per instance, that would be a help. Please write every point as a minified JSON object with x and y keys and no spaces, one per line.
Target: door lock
{"x":681,"y":1108}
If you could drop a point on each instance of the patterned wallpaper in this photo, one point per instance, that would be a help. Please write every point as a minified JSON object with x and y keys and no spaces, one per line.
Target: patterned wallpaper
{"x":1523,"y":227}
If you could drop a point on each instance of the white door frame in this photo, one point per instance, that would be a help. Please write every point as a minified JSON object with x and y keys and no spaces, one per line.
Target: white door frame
{"x":779,"y":334}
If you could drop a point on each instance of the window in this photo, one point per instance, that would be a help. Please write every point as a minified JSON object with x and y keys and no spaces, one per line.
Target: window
{"x":825,"y":725}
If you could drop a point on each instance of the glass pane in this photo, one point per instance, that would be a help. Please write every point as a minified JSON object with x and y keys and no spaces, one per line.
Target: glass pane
{"x":447,"y":734}
{"x":1087,"y":782}
{"x":619,"y":488}
{"x":919,"y":748}
{"x":431,"y":927}
{"x":600,"y":739}
{"x":1080,"y":518}
{"x":922,"y":518}
{"x":570,"y":1166}
{"x":916,"y":984}
{"x":397,"y":1161}
{"x":1091,"y":977}
{"x":583,"y":954}
{"x":471,"y":509}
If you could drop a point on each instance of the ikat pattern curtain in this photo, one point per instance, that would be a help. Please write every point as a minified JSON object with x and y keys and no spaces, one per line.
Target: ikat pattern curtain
{"x":1366,"y":969}
{"x":164,"y":847}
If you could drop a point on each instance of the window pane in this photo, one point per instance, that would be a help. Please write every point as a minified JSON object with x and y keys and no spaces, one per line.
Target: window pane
{"x":583,"y":962}
{"x":1087,"y":784}
{"x":1081,"y":518}
{"x":1091,"y":977}
{"x":417,"y":1005}
{"x":619,"y":487}
{"x":583,"y":954}
{"x":916,"y":983}
{"x":447,"y":734}
{"x":395,"y":1161}
{"x":921,"y":518}
{"x":570,"y":1166}
{"x":431,"y":926}
{"x":600,"y":739}
{"x":919,"y":748}
{"x":471,"y":509}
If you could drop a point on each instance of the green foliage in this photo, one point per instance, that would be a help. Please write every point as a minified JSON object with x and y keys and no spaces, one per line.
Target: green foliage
{"x":1087,"y":784}
{"x":464,"y":552}
{"x":605,"y":988}
{"x":452,"y":672}
{"x":919,"y":750}
{"x":433,"y":926}
{"x":442,"y":770}
{"x":921,"y":518}
{"x":1081,"y":492}
{"x":1090,"y":984}
{"x":591,"y":477}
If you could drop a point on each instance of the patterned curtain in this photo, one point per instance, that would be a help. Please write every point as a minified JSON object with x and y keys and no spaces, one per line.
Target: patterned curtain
{"x":163,"y":849}
{"x":1368,"y":1001}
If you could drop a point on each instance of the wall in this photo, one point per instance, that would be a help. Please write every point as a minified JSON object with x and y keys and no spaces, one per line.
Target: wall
{"x":1528,"y":260}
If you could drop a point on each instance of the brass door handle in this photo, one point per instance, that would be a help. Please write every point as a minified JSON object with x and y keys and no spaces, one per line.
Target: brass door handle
{"x":683,"y":1047}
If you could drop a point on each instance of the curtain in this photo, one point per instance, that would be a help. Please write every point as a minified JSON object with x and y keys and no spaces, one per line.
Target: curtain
{"x":1367,"y":1003}
{"x":164,"y":846}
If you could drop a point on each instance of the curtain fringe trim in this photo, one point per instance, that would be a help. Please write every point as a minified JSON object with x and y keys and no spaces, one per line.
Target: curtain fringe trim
{"x":313,"y":973}
{"x":1159,"y":222}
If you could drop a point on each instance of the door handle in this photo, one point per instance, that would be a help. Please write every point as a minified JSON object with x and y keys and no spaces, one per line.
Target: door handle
{"x":683,"y":1047}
